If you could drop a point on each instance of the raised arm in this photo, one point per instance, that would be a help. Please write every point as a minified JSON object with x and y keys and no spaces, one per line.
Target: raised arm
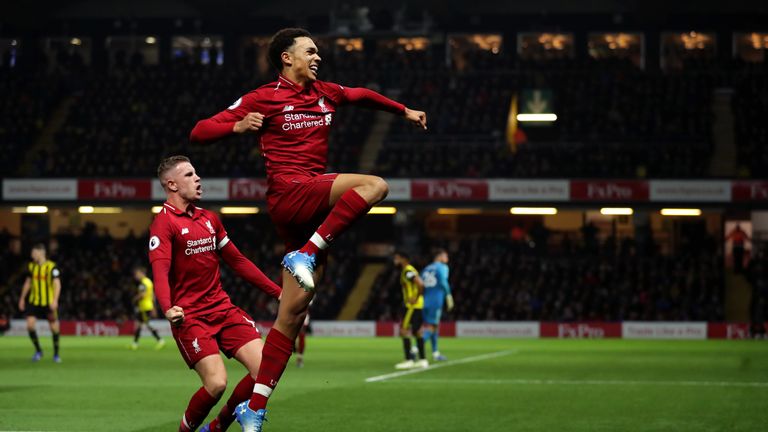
{"x":370,"y":99}
{"x":239,"y":118}
{"x":248,"y":270}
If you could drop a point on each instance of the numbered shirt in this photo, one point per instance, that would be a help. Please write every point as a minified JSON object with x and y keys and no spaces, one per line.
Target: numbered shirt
{"x":436,"y":286}
{"x":191,"y":243}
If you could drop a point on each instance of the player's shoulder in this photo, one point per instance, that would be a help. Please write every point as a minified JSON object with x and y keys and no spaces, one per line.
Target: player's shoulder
{"x":330,"y":89}
{"x":164,"y":219}
{"x":254,"y":96}
{"x":262,"y":90}
{"x":328,"y":85}
{"x":208,"y":214}
{"x":53,"y":268}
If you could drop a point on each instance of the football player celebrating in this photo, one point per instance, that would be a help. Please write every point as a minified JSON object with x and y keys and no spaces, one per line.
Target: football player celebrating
{"x":184,"y":248}
{"x":292,"y":117}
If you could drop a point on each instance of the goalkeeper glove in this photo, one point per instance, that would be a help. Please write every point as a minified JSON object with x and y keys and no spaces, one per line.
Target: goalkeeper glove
{"x":449,"y":302}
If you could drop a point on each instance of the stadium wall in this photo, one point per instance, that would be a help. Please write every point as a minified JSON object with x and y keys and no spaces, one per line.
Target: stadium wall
{"x":461,"y":329}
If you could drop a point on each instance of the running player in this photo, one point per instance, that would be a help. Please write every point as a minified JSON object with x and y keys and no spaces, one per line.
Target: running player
{"x":145,"y":307}
{"x":43,"y":287}
{"x":413,"y":298}
{"x":310,"y":208}
{"x":437,"y":291}
{"x":184,"y":248}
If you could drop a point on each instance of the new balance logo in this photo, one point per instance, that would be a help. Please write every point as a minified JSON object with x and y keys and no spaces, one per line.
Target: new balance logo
{"x":251,"y":322}
{"x":196,"y":346}
{"x":184,"y":231}
{"x":288,"y":108}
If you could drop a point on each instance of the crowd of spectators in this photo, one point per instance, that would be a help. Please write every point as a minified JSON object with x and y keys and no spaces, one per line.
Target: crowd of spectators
{"x":750,"y":109}
{"x":537,"y":275}
{"x":28,"y":100}
{"x":614,"y":119}
{"x":503,"y":279}
{"x":120,"y":122}
{"x":757,"y":275}
{"x":97,"y":282}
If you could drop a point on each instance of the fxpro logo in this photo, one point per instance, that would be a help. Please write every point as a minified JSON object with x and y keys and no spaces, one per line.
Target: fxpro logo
{"x":608,"y":191}
{"x":448,"y":190}
{"x":113,"y":190}
{"x":580,"y":331}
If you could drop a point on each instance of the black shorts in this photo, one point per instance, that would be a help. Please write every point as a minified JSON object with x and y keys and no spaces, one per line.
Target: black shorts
{"x":41,"y":312}
{"x":142,"y":316}
{"x":412,"y":319}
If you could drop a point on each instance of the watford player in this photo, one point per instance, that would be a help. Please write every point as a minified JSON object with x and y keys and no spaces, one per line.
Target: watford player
{"x":145,"y":307}
{"x":413,"y":299}
{"x":40,"y":299}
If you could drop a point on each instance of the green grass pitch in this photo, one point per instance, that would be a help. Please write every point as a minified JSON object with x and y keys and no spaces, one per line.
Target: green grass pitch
{"x":487,"y":385}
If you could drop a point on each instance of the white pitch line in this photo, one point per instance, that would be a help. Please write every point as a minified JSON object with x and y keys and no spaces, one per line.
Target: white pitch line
{"x":758,"y":384}
{"x":380,"y":378}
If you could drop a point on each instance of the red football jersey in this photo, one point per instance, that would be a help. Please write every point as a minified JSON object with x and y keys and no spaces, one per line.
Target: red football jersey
{"x":297,"y":121}
{"x":190,"y":243}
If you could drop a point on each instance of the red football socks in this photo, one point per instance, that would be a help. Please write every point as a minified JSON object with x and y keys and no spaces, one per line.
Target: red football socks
{"x":349,"y":208}
{"x":242,"y":392}
{"x":274,"y":357}
{"x":199,"y":406}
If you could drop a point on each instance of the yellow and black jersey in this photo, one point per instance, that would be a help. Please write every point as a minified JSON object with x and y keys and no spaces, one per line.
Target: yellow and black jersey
{"x":147,"y":300}
{"x":410,"y":289}
{"x":41,"y":278}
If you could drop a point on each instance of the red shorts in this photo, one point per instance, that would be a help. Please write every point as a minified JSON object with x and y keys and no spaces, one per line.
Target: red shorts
{"x":205,"y":335}
{"x":298,"y":205}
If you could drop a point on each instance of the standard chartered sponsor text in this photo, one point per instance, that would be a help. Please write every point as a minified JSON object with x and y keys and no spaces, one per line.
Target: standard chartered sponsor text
{"x":301,"y":121}
{"x":205,"y":244}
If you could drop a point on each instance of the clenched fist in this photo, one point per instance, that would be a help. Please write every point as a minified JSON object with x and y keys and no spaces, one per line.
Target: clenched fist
{"x":252,"y":122}
{"x":175,"y":315}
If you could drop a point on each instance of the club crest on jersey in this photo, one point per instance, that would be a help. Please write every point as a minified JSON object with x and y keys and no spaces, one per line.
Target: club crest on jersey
{"x":288,"y":108}
{"x":210,"y":227}
{"x":321,"y":103}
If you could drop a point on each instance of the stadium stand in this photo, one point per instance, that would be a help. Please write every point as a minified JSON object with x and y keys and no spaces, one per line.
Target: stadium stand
{"x":508,"y":280}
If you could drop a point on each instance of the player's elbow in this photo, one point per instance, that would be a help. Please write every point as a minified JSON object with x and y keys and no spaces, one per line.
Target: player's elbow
{"x":195,"y":135}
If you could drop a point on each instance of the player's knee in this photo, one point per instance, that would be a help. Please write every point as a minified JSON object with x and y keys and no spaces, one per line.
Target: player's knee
{"x":216,"y":386}
{"x":379,"y":188}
